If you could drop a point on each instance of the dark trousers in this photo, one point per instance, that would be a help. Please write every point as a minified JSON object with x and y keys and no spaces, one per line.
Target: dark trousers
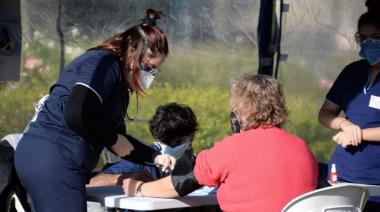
{"x":54,"y":172}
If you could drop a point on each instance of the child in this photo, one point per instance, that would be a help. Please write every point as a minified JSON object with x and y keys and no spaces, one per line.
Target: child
{"x":173,"y":126}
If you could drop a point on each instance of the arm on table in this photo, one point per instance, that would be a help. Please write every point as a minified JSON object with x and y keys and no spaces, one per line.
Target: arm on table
{"x":159,"y":188}
{"x":213,"y":165}
{"x":117,"y":179}
{"x":179,"y":183}
{"x":212,"y":169}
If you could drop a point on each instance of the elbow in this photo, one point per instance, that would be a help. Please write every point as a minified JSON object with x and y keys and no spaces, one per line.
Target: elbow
{"x":183,"y":185}
{"x":320,"y":116}
{"x":326,"y":116}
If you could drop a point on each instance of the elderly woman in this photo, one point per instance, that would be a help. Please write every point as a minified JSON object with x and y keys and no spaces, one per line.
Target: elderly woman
{"x":261,"y":168}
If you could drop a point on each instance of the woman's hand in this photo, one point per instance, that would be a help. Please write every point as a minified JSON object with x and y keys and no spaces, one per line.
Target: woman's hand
{"x":130,"y":186}
{"x":122,"y":147}
{"x":352,"y":132}
{"x":341,"y":139}
{"x":165,"y":161}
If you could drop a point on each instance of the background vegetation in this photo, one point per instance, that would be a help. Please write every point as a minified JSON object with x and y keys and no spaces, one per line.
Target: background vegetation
{"x":199,"y":78}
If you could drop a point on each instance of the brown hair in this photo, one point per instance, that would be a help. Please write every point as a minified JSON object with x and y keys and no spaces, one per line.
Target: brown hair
{"x":145,"y":39}
{"x":373,"y":5}
{"x":259,"y":100}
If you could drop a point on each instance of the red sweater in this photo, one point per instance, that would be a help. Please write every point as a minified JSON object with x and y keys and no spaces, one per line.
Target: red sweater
{"x":258,"y":170}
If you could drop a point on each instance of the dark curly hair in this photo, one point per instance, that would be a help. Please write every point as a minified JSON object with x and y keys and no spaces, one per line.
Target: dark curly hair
{"x":172,"y":122}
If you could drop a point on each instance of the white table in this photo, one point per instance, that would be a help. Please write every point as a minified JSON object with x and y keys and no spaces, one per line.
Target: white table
{"x":374,"y":190}
{"x":113,"y":197}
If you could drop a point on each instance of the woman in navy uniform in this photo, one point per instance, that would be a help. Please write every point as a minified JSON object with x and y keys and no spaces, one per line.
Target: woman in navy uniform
{"x":356,"y":92}
{"x":85,"y":113}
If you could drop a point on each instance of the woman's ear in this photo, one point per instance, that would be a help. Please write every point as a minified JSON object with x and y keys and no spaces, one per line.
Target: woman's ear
{"x":146,"y":59}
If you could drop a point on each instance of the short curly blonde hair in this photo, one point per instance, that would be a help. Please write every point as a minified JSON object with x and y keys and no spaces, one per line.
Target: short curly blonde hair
{"x":259,"y":100}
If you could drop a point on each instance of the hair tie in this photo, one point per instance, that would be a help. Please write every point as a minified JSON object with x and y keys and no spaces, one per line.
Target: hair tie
{"x":148,"y":21}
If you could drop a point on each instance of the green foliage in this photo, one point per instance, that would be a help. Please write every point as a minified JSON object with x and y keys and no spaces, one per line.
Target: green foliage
{"x":18,"y":98}
{"x":305,"y":94}
{"x":198,"y":78}
{"x":202,"y":65}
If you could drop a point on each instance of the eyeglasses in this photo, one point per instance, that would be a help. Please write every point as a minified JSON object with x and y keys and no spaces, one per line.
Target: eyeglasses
{"x":153,"y":70}
{"x":360,"y":38}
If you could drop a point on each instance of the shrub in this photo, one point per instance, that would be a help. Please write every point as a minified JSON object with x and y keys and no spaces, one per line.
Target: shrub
{"x":199,"y":79}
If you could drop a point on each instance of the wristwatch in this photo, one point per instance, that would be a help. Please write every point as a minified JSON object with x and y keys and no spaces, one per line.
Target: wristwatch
{"x":138,"y":192}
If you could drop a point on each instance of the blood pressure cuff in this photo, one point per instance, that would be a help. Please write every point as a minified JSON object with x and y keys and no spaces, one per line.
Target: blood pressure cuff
{"x":183,"y":178}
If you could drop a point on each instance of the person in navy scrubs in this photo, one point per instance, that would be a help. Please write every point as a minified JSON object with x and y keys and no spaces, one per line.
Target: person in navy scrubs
{"x":356,"y":92}
{"x":85,"y":113}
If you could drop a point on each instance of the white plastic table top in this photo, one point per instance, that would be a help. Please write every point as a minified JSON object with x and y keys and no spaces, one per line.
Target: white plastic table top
{"x":113,"y":197}
{"x":374,"y":190}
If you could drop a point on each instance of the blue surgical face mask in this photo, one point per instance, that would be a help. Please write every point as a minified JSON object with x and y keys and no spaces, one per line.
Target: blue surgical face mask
{"x":370,"y":50}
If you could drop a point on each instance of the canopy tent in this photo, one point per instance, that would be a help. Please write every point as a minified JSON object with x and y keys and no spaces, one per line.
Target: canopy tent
{"x":322,"y":29}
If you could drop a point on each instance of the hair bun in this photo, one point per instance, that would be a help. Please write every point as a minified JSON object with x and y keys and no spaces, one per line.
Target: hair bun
{"x":150,"y":17}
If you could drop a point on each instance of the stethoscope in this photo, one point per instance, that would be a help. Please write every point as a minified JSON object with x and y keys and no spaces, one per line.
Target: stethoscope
{"x":368,"y":85}
{"x":135,"y":118}
{"x":127,"y":118}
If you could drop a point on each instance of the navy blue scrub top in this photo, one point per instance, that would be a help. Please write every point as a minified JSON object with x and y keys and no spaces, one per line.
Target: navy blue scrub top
{"x":361,"y":104}
{"x":100,"y":72}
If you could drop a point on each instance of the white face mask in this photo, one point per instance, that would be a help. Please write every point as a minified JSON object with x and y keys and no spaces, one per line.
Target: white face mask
{"x":147,"y":76}
{"x":146,"y":79}
{"x":173,"y":151}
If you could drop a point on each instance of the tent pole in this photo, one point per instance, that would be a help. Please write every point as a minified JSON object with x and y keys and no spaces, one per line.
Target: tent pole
{"x":266,"y":31}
